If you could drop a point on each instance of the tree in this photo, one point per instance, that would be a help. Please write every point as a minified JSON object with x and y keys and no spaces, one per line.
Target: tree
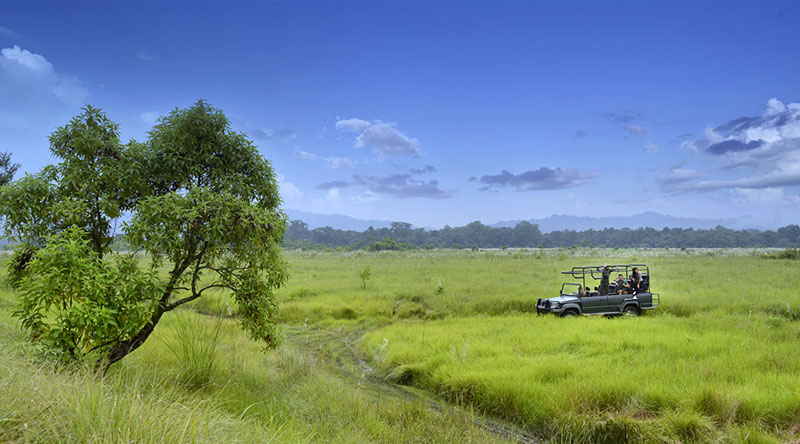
{"x":7,"y":169}
{"x":203,"y":203}
{"x":365,"y":273}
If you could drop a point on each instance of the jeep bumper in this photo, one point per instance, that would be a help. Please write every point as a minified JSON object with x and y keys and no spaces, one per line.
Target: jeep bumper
{"x":545,"y":307}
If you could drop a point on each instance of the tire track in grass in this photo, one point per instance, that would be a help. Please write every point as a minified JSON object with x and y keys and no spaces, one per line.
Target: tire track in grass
{"x":339,"y":349}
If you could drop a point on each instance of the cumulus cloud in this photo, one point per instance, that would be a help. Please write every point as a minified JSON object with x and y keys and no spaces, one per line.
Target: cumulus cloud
{"x":535,"y":180}
{"x":357,"y":126}
{"x":289,"y":192}
{"x":403,"y":185}
{"x":330,"y":162}
{"x":757,"y":152}
{"x":636,"y":130}
{"x":30,"y":77}
{"x":382,"y":137}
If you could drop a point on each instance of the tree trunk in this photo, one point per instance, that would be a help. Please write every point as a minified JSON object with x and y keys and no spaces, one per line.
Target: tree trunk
{"x":124,"y":348}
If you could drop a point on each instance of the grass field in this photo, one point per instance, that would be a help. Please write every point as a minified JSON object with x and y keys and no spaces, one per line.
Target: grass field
{"x":719,"y":361}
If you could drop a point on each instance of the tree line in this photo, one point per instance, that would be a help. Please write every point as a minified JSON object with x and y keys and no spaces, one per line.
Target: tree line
{"x":401,"y":235}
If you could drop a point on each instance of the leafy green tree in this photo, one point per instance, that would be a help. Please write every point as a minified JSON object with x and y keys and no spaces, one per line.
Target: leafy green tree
{"x":204,"y":204}
{"x":7,"y":169}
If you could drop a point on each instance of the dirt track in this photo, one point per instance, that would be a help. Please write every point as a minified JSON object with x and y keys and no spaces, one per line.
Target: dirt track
{"x":339,"y":350}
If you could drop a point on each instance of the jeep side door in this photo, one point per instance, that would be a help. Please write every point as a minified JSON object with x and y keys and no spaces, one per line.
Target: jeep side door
{"x":593,"y":304}
{"x":615,"y":302}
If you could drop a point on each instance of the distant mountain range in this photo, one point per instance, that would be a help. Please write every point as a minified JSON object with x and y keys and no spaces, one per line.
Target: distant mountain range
{"x":547,"y":224}
{"x":338,"y":221}
{"x":651,"y":219}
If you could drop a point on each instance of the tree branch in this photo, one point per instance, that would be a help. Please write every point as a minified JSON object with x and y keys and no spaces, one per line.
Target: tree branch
{"x":194,"y":296}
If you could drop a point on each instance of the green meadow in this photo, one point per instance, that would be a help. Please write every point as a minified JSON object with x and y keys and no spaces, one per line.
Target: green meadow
{"x":443,"y":346}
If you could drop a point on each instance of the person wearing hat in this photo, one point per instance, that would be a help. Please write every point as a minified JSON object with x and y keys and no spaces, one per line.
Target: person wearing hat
{"x":606,"y":270}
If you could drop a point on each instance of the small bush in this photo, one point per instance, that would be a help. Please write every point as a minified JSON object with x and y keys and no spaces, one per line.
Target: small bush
{"x":365,"y":274}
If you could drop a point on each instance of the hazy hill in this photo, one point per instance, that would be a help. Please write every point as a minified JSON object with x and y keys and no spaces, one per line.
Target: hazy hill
{"x":551,"y":223}
{"x":338,"y":221}
{"x":651,"y":219}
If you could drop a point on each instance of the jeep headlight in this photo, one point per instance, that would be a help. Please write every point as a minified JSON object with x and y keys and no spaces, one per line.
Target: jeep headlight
{"x":554,"y":304}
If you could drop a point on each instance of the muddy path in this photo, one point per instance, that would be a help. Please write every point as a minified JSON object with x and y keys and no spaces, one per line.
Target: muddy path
{"x":339,"y":350}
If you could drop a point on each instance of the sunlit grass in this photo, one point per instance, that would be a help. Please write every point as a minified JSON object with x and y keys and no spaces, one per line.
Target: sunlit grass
{"x":201,"y":380}
{"x":717,"y":362}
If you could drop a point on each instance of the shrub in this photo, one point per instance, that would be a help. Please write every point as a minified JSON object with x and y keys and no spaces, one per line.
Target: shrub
{"x":365,"y":274}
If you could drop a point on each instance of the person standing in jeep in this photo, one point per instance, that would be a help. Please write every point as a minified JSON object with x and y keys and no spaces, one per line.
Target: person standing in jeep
{"x":606,"y":270}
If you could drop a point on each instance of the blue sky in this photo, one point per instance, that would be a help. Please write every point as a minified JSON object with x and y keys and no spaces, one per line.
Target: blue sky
{"x":443,"y":113}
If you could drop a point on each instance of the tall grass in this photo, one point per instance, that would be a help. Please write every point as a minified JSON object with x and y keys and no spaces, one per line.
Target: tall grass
{"x":194,"y":344}
{"x":291,"y":395}
{"x":717,"y":362}
{"x":694,"y":379}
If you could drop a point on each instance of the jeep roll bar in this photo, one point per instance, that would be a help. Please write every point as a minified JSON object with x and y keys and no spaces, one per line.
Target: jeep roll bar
{"x":580,"y":273}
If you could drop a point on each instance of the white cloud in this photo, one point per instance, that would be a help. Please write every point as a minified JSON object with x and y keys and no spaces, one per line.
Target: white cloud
{"x":651,"y":148}
{"x":764,"y":195}
{"x":366,"y":197}
{"x":755,"y":153}
{"x":26,"y":77}
{"x":289,"y":192}
{"x":28,"y":59}
{"x":353,"y":125}
{"x":382,"y":137}
{"x":333,"y":196}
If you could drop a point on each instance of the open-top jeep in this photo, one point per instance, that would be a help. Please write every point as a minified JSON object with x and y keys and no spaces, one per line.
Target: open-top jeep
{"x":577,"y":299}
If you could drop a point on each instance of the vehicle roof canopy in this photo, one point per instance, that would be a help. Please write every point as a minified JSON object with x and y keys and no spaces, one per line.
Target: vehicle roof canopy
{"x":595,"y":271}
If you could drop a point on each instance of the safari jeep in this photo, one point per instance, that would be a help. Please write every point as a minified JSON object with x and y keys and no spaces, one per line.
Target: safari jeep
{"x":577,"y":299}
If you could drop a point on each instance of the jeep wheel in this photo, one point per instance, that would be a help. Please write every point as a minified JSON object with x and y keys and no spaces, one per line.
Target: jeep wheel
{"x":569,"y":314}
{"x":631,"y":310}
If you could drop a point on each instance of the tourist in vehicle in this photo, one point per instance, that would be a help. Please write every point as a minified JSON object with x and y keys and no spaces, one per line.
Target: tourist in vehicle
{"x":581,"y":293}
{"x":636,"y":279}
{"x":606,"y":270}
{"x":622,"y":285}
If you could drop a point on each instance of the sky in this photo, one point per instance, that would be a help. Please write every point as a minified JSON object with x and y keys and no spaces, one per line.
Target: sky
{"x":442,"y":113}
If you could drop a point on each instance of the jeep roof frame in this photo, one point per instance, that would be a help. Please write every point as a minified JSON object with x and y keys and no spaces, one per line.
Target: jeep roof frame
{"x":580,"y":273}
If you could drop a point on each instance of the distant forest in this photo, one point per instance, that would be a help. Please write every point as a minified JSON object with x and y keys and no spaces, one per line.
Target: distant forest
{"x":401,"y":235}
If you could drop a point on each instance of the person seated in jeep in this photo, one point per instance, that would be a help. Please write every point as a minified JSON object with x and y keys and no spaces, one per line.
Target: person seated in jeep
{"x":622,"y":285}
{"x":636,"y":279}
